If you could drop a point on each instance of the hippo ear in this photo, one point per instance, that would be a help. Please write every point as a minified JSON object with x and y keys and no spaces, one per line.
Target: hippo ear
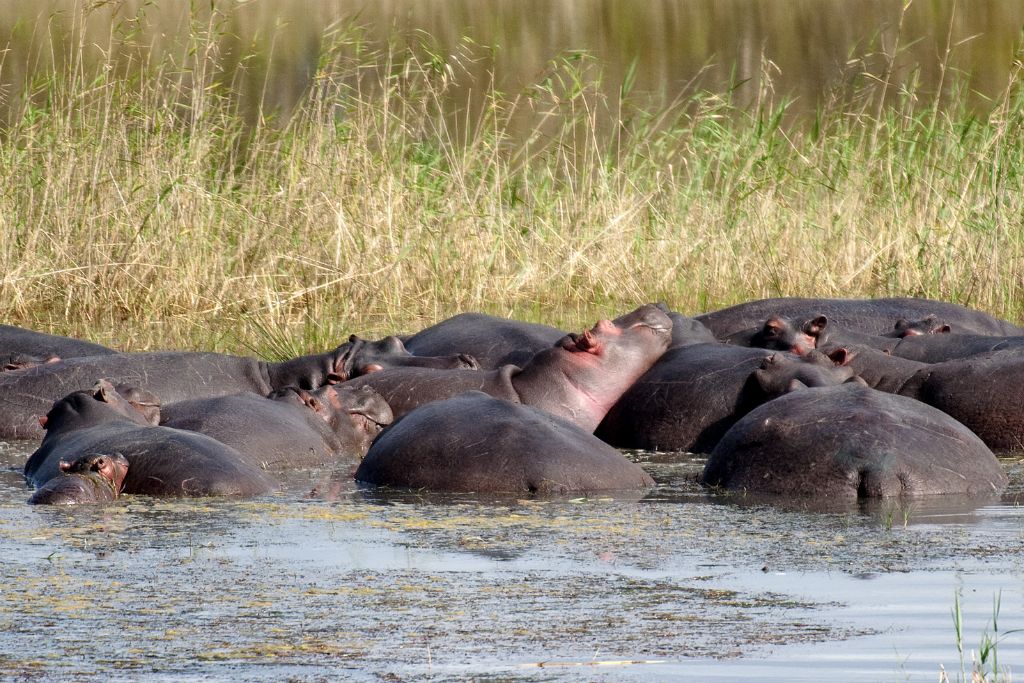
{"x":840,"y":356}
{"x":104,"y":391}
{"x":393,"y":344}
{"x":769,"y":361}
{"x":815,"y":326}
{"x":64,"y":466}
{"x":98,"y":464}
{"x":942,"y":329}
{"x":902,"y":324}
{"x":588,"y":342}
{"x":773,"y":327}
{"x":42,"y":421}
{"x":795,"y":385}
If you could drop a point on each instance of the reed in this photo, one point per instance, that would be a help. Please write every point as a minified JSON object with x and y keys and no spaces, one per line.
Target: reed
{"x":144,"y":207}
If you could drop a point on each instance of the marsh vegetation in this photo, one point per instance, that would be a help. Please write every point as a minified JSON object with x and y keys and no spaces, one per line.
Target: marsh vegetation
{"x":154,"y":197}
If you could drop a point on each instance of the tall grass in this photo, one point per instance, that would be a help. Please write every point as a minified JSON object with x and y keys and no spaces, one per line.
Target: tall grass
{"x":143,"y":207}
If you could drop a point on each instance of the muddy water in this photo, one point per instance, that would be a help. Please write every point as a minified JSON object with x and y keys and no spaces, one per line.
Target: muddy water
{"x":357,"y":585}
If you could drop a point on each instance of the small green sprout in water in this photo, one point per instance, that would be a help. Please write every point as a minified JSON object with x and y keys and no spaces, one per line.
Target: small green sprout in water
{"x":984,"y":663}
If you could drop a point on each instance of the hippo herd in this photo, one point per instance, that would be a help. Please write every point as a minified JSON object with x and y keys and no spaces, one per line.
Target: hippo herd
{"x":813,"y":398}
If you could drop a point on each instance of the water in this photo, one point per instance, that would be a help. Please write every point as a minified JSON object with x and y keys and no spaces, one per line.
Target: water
{"x":269,"y":50}
{"x":676,"y":585}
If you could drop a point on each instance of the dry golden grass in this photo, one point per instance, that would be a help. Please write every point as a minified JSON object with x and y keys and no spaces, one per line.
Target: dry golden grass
{"x":142,"y":210}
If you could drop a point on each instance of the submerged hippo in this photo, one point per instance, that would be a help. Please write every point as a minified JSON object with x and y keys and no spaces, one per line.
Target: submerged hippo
{"x":291,"y":427}
{"x":869,"y":316}
{"x":478,"y":443}
{"x":578,"y":379}
{"x":89,"y":479}
{"x":851,"y":441}
{"x":162,"y":461}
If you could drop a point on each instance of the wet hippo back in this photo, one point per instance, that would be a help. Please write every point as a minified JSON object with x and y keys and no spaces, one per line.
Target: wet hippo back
{"x":851,"y":441}
{"x":476,"y":443}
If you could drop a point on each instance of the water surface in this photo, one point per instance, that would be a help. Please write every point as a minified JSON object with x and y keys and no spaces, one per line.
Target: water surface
{"x":364,"y":585}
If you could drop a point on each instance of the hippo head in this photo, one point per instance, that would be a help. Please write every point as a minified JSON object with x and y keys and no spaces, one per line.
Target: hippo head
{"x":782,"y":373}
{"x":928,"y":325}
{"x":782,"y":334}
{"x":113,"y":468}
{"x":583,"y":375}
{"x":87,"y":408}
{"x":354,"y":358}
{"x":360,"y":411}
{"x":364,"y":357}
{"x":351,"y":413}
{"x":144,"y":402}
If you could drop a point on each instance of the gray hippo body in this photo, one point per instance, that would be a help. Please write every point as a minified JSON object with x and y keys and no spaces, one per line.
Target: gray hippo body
{"x":985,"y":392}
{"x":939,"y":348}
{"x":291,"y":427}
{"x":27,"y":394}
{"x":478,"y":443}
{"x":851,"y":441}
{"x":687,"y":400}
{"x":492,"y":341}
{"x":869,"y":316}
{"x":88,"y":479}
{"x":162,"y":461}
{"x":20,"y":345}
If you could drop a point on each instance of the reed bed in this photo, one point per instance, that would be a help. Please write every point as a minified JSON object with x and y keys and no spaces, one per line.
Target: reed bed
{"x":145,"y":207}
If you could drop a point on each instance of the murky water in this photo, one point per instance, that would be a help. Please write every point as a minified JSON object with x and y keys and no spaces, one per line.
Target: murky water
{"x":676,"y":585}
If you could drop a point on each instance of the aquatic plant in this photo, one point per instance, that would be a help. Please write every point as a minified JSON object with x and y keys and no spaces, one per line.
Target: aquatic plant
{"x":985,"y":666}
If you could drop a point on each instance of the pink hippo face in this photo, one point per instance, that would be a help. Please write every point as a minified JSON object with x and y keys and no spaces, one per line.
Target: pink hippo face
{"x":583,"y":375}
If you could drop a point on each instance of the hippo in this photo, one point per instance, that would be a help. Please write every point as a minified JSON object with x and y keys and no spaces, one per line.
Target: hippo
{"x":162,"y":461}
{"x":985,"y":392}
{"x":19,"y":342}
{"x":687,"y":400}
{"x":492,"y":341}
{"x":477,"y":443}
{"x":944,"y":347}
{"x":363,"y":357}
{"x":693,"y":394}
{"x":799,"y":335}
{"x":291,"y":427}
{"x":869,"y":316}
{"x":851,"y":441}
{"x":930,"y":324}
{"x":782,"y":373}
{"x":27,"y":394}
{"x":577,"y":379}
{"x":91,"y":478}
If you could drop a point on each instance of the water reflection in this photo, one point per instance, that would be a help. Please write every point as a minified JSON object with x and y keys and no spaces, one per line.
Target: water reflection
{"x":268,"y":51}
